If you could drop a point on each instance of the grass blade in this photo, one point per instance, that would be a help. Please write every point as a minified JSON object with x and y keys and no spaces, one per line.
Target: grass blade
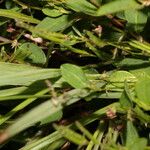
{"x":18,"y":16}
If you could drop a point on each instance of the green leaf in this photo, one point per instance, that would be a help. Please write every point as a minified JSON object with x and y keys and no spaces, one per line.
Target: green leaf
{"x":56,"y":116}
{"x":21,"y":54}
{"x":117,"y":6}
{"x":18,"y":16}
{"x":131,"y":134}
{"x":131,"y":62}
{"x":32,"y":52}
{"x":119,"y":77}
{"x":12,"y":68}
{"x":17,"y":74}
{"x":126,"y":97}
{"x":136,"y":19}
{"x":139,"y":144}
{"x":52,"y":12}
{"x":74,"y":75}
{"x":46,"y":110}
{"x":133,"y":142}
{"x":12,"y":91}
{"x":37,"y":114}
{"x":71,"y":135}
{"x":141,"y":73}
{"x":142,"y":89}
{"x":54,"y":37}
{"x":82,"y":6}
{"x":86,"y":120}
{"x":55,"y":24}
{"x":125,"y":101}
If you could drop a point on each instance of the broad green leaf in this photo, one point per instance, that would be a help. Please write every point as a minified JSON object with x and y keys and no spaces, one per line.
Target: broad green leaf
{"x":21,"y":54}
{"x":82,"y":6}
{"x":139,"y":144}
{"x":141,"y":73}
{"x":18,"y":16}
{"x":12,"y":67}
{"x":133,"y":142}
{"x":119,"y":77}
{"x":117,"y":6}
{"x":136,"y":19}
{"x":132,"y":62}
{"x":55,"y":24}
{"x":126,"y":97}
{"x":33,"y":53}
{"x":17,"y":74}
{"x":142,"y":89}
{"x":131,"y":133}
{"x":52,"y":12}
{"x":28,"y":77}
{"x":74,"y":75}
{"x":125,"y":101}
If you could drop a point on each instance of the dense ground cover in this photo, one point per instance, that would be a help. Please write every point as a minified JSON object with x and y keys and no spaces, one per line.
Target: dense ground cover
{"x":74,"y":74}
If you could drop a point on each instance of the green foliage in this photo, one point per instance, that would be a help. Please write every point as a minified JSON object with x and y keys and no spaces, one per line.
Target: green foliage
{"x":142,"y":92}
{"x":81,"y":6}
{"x":118,"y":5}
{"x":16,"y":74}
{"x":16,"y":15}
{"x":74,"y":74}
{"x":136,"y":17}
{"x":55,"y":24}
{"x":133,"y":142}
{"x":31,"y":52}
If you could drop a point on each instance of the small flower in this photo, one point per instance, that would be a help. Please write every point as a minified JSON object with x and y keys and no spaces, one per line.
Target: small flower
{"x":14,"y":43}
{"x":145,"y":2}
{"x":10,"y":30}
{"x":111,"y":113}
{"x":36,"y":40}
{"x":98,"y":30}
